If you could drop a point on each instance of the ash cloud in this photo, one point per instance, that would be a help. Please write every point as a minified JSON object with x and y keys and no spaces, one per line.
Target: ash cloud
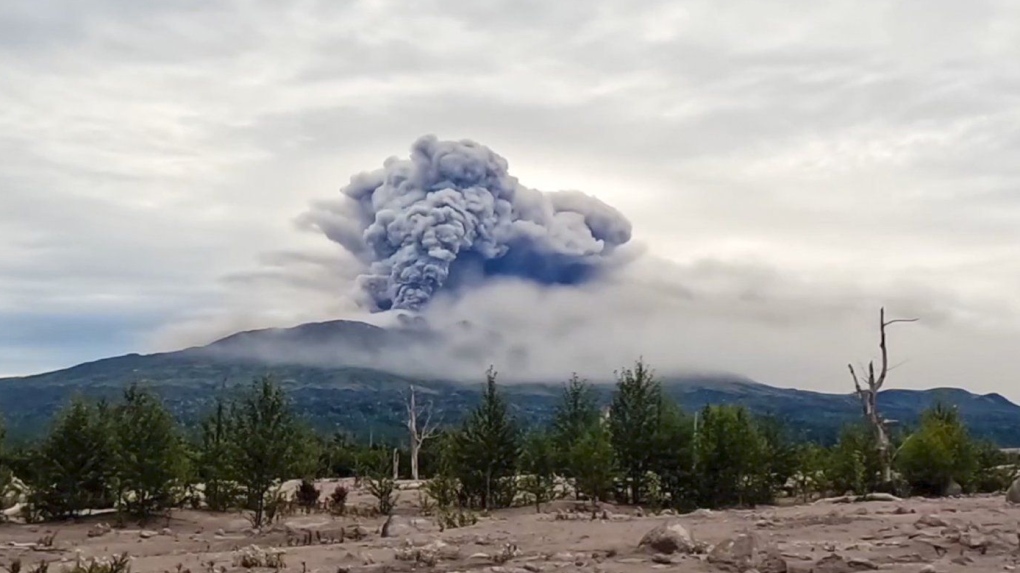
{"x":451,"y":215}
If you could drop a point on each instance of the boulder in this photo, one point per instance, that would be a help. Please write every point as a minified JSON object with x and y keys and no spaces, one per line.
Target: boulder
{"x":1013,"y":493}
{"x":953,"y":489}
{"x":930,"y":520}
{"x":401,"y":526}
{"x":747,"y":551}
{"x":668,"y":538}
{"x":836,"y":563}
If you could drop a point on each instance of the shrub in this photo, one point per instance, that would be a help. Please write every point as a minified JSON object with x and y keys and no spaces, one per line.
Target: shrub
{"x":938,"y":453}
{"x":384,"y":490}
{"x":443,"y":490}
{"x":338,"y":500}
{"x":308,"y":495}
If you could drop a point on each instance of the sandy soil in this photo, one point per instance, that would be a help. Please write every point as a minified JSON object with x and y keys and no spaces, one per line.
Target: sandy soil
{"x":969,"y":534}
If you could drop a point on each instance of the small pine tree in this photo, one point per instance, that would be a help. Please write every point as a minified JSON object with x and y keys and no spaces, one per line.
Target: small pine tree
{"x":308,"y":495}
{"x":575,"y":414}
{"x":633,"y":419}
{"x":938,"y":453}
{"x":730,"y":462}
{"x":854,"y":463}
{"x":487,"y":449}
{"x":264,"y":442}
{"x":151,"y":458}
{"x":538,"y":461}
{"x":672,"y":456}
{"x":593,"y":464}
{"x":214,"y":467}
{"x":6,"y":474}
{"x":70,"y":467}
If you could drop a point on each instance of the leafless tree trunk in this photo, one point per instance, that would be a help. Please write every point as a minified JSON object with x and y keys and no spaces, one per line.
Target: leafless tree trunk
{"x":396,"y":464}
{"x":867,"y":390}
{"x":419,"y":426}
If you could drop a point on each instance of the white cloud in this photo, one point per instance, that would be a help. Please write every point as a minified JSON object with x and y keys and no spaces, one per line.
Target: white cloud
{"x":799,"y":165}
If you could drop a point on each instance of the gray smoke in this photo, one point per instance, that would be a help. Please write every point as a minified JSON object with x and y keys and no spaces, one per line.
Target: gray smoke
{"x":452,"y":214}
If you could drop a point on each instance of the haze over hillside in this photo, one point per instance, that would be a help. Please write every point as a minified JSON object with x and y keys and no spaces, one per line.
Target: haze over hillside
{"x":335,"y":372}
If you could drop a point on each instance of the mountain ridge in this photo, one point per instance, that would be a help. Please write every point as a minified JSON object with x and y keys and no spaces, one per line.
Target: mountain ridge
{"x":318,"y":363}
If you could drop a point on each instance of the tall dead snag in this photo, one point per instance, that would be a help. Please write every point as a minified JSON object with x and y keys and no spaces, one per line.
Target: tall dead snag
{"x":867,"y":391}
{"x":419,"y":427}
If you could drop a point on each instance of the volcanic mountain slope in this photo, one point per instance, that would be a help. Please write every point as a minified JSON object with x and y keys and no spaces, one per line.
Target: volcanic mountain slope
{"x":324,"y":367}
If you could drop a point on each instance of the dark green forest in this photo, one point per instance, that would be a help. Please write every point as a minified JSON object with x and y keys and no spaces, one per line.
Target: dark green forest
{"x":643,"y":447}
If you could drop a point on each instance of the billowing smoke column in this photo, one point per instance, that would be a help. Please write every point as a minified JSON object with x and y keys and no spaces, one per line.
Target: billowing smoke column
{"x":451,"y":213}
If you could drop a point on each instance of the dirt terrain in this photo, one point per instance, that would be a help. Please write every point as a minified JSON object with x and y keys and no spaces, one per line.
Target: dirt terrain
{"x":966,"y":534}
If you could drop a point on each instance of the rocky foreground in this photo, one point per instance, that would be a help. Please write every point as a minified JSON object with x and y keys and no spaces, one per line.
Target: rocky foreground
{"x":966,"y":534}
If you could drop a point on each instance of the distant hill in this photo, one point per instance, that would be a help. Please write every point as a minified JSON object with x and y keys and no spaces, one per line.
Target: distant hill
{"x":323,"y":367}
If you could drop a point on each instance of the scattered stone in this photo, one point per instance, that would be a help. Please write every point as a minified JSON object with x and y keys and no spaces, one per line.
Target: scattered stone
{"x":670,"y":537}
{"x":662,"y":559}
{"x":861,"y":564}
{"x":400,"y":526}
{"x":930,"y":520}
{"x":99,"y":530}
{"x":953,"y":489}
{"x":146,"y":534}
{"x":929,"y":568}
{"x":1013,"y":493}
{"x":747,"y":551}
{"x":831,"y":563}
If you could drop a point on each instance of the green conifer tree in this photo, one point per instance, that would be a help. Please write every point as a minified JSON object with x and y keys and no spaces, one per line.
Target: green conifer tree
{"x":487,"y":450}
{"x":214,"y":460}
{"x":264,"y":443}
{"x":593,"y":462}
{"x":151,"y":459}
{"x":633,"y":423}
{"x":576,"y":413}
{"x":71,"y":469}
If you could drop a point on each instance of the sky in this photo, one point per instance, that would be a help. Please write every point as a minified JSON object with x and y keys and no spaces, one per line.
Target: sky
{"x":787,"y":167}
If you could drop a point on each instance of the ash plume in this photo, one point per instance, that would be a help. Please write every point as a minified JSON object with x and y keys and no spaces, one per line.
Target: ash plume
{"x":451,"y":215}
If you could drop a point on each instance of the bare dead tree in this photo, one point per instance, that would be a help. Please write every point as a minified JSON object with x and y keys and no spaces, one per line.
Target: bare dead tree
{"x":420,"y":427}
{"x":867,"y":390}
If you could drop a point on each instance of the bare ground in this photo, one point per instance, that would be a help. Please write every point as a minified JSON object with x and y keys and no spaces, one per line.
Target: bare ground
{"x":972,"y":534}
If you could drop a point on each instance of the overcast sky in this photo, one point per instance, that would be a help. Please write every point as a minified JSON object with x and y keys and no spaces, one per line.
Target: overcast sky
{"x":787,"y":167}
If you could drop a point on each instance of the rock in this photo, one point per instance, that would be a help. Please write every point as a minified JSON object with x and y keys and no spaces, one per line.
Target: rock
{"x":953,"y":489}
{"x":836,"y":563}
{"x":1013,"y":493}
{"x":662,"y":558}
{"x":928,"y":568}
{"x":166,"y":531}
{"x":146,"y":534}
{"x":99,"y":530}
{"x":930,"y":520}
{"x":400,"y":526}
{"x":861,"y":564}
{"x":747,"y":551}
{"x":670,"y":537}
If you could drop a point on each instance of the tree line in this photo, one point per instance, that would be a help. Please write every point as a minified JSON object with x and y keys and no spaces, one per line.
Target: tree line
{"x":644,"y":449}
